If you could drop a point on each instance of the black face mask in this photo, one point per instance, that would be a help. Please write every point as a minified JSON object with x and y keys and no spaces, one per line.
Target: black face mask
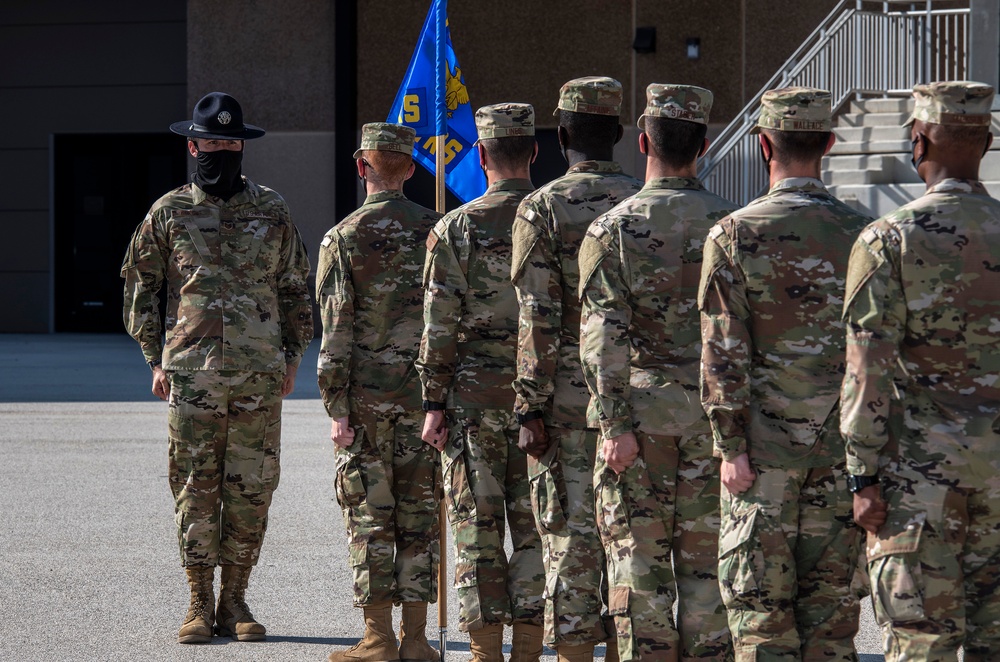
{"x":763,"y":157}
{"x":220,"y":173}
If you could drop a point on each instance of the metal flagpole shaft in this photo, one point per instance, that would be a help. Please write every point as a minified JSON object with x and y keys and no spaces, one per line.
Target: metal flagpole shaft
{"x":443,"y":535}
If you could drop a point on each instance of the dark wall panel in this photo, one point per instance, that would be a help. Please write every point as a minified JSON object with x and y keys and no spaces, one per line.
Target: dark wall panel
{"x":25,"y":246}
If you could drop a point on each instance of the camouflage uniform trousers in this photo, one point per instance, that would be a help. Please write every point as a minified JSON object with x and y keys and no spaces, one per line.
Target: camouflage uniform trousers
{"x":935,"y":566}
{"x":562,"y":498}
{"x":225,"y":443}
{"x":788,"y":550}
{"x":659,"y":521}
{"x":388,"y":487}
{"x":486,"y":476}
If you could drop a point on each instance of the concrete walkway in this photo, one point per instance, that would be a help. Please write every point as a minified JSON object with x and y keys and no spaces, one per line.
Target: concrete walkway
{"x":88,"y":559}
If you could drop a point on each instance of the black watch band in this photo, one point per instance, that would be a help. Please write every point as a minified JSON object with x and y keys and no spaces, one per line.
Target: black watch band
{"x":857,"y":483}
{"x":433,"y":406}
{"x":530,"y":416}
{"x":155,"y":363}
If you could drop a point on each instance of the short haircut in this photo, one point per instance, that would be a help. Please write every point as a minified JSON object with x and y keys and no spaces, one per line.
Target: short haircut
{"x":676,"y":142}
{"x":590,"y":132}
{"x":389,"y":167}
{"x":960,"y":137}
{"x":798,"y":146}
{"x":510,"y":152}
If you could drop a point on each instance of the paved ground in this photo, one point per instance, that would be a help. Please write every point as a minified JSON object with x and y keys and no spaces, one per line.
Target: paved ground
{"x":88,"y":558}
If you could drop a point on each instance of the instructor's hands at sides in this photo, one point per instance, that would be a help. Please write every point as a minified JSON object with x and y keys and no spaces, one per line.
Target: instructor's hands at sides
{"x":738,"y":476}
{"x":435,"y":430}
{"x":342,"y":433}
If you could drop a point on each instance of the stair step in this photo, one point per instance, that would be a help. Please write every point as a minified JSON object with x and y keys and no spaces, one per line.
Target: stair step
{"x":872,"y":119}
{"x":886,"y":105}
{"x":871,"y":147}
{"x":854,"y":134}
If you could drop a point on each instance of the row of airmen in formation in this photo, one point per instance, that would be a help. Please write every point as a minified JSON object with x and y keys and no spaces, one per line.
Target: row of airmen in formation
{"x":711,"y":406}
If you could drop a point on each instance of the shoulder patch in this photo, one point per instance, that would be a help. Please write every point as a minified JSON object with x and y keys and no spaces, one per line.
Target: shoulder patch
{"x":592,"y":253}
{"x":327,"y":240}
{"x":524,"y":235}
{"x":432,"y":240}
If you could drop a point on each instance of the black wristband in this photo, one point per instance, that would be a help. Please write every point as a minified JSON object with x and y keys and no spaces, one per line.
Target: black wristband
{"x":433,"y":406}
{"x":530,"y":416}
{"x":857,"y":483}
{"x":155,"y":363}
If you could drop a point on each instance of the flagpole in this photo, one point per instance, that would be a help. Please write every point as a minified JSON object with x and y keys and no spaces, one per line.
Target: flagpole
{"x":442,"y":596}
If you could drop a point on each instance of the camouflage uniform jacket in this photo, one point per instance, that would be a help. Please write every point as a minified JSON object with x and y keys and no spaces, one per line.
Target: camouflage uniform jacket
{"x":236,"y":270}
{"x":922,"y":303}
{"x":370,"y":298}
{"x":550,"y":226}
{"x":470,"y":309}
{"x":771,"y":295}
{"x":640,"y":338}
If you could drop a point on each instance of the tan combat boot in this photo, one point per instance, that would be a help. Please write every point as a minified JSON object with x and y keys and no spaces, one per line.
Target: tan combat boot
{"x":413,"y":646}
{"x":486,"y":643}
{"x":526,"y":645}
{"x":577,"y":653}
{"x":197,"y":627}
{"x":379,"y":643}
{"x":233,"y":616}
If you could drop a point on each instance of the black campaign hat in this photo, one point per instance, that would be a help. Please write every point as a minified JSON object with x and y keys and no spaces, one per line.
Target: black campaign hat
{"x":217,"y":116}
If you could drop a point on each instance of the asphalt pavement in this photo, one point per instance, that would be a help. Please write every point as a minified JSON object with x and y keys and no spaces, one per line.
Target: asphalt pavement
{"x":89,"y":567}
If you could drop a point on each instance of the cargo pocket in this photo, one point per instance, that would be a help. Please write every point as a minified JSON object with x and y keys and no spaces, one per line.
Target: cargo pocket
{"x":457,"y":491}
{"x":349,"y":480}
{"x":358,"y":552}
{"x":612,"y":508}
{"x":894,"y":567}
{"x":618,"y":608}
{"x":741,"y":563}
{"x":470,"y":601}
{"x":271,"y":471}
{"x":180,"y":463}
{"x":545,"y":475}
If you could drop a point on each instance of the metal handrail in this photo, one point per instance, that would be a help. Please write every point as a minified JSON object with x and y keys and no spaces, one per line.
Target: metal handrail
{"x":855,"y":51}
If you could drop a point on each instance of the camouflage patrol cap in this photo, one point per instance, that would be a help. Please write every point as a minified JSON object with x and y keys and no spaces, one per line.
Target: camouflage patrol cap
{"x":677,"y":102}
{"x":593,"y":95}
{"x":952,"y":103}
{"x":383,"y":137}
{"x":795,"y":109}
{"x":504,"y":120}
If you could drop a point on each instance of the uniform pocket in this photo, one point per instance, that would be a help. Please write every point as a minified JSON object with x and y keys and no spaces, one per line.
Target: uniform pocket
{"x":180,"y":463}
{"x":741,"y":562}
{"x":349,"y":480}
{"x":894,"y":568}
{"x":618,"y":608}
{"x":271,"y":471}
{"x":457,"y":491}
{"x":547,"y":489}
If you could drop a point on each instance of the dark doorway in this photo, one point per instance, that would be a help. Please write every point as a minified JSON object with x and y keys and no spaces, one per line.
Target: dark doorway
{"x":103,"y":185}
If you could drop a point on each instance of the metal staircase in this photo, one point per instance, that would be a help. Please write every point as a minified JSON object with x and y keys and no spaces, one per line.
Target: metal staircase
{"x":862,"y":49}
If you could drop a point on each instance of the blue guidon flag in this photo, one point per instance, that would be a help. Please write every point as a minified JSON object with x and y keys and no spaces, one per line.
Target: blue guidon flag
{"x":433,"y":101}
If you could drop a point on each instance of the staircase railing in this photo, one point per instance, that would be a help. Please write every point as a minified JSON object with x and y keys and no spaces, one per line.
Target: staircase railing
{"x":860,"y":48}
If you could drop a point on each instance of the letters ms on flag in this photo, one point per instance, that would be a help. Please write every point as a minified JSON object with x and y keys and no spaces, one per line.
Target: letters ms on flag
{"x":415,"y":106}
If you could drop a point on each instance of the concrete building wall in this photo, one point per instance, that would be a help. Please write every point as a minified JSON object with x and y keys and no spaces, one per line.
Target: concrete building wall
{"x":72,"y":67}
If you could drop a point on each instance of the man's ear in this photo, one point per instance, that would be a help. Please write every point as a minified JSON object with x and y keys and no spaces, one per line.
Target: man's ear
{"x":534,"y":153}
{"x":765,"y":147}
{"x":643,"y":143}
{"x":360,"y":164}
{"x":621,"y":132}
{"x":563,"y":136}
{"x":482,"y":155}
{"x":410,"y":171}
{"x":192,"y":148}
{"x":704,"y":148}
{"x":830,"y":143}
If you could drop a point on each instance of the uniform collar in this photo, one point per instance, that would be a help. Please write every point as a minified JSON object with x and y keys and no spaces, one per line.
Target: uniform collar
{"x":595,"y":166}
{"x":382,"y":196}
{"x":798,"y":184}
{"x":250,"y":193}
{"x":953,"y":185}
{"x":687,"y":183}
{"x":513,"y":184}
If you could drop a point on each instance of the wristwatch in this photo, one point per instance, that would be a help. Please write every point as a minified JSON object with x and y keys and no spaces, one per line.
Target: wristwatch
{"x":857,"y":483}
{"x":154,"y":364}
{"x":530,"y":416}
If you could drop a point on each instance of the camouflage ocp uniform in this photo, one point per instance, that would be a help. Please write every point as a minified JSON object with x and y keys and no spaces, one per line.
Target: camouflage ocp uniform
{"x":550,"y":226}
{"x":772,"y":362}
{"x":466,"y":365}
{"x":369,"y":290}
{"x":640,"y":345}
{"x":922,"y":307}
{"x":238,"y":313}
